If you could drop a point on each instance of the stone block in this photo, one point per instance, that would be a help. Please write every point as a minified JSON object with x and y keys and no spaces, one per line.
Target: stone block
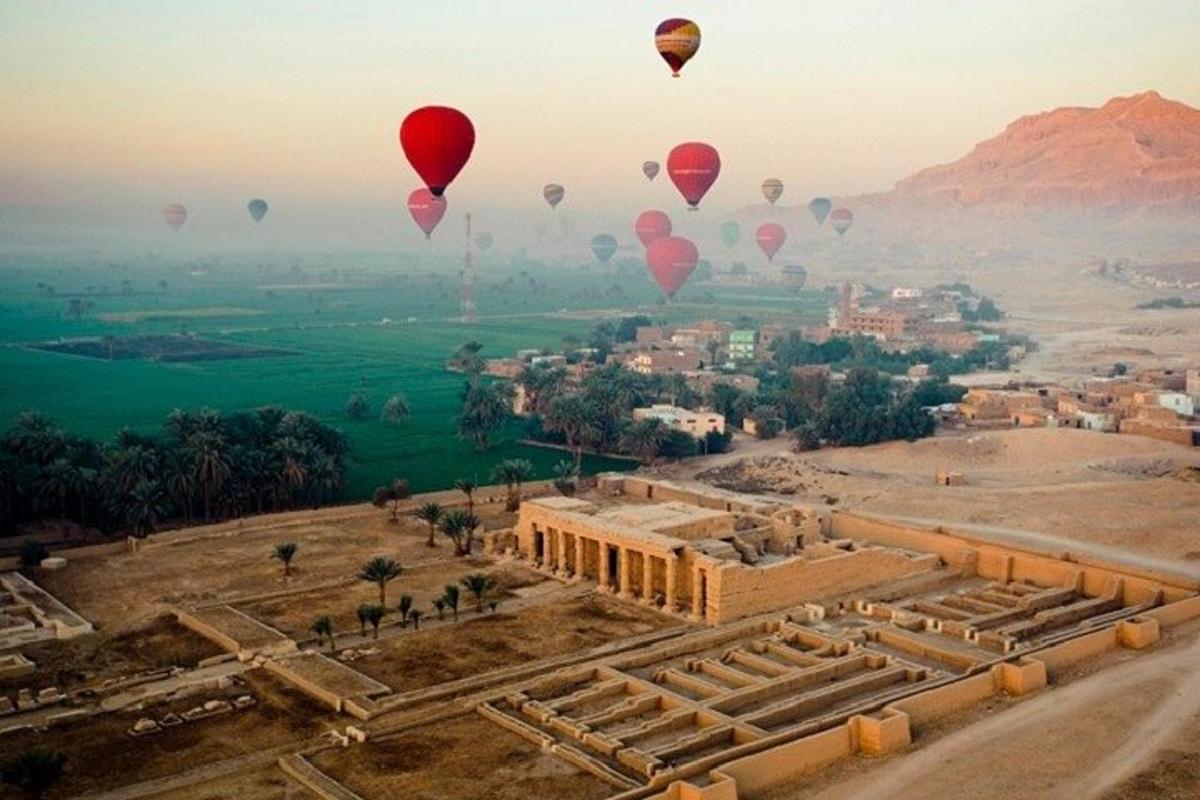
{"x":1137,"y":632}
{"x":53,"y":563}
{"x":357,"y":734}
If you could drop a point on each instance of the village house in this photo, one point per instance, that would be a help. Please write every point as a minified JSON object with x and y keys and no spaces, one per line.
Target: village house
{"x":696,"y":423}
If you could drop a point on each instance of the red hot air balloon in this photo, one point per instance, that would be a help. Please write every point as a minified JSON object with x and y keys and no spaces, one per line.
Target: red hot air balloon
{"x":693,"y":167}
{"x":426,"y":209}
{"x":652,"y":225}
{"x":437,"y":141}
{"x":671,"y":260}
{"x":770,"y":238}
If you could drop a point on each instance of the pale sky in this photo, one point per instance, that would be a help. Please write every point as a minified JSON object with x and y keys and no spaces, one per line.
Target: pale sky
{"x":133,"y":103}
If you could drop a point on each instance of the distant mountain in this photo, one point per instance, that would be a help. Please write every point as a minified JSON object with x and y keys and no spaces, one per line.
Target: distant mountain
{"x":1139,"y":153}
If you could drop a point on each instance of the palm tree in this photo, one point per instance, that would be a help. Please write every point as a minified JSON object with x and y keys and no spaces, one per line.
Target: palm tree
{"x":322,"y":627}
{"x":450,"y":596}
{"x":566,"y":478}
{"x":361,"y":613}
{"x":210,"y":459}
{"x":430,"y":514}
{"x":459,"y":526}
{"x":415,"y":615}
{"x":440,"y":605}
{"x":404,"y":607}
{"x":575,"y":419}
{"x":380,"y":571}
{"x":34,"y":771}
{"x":644,"y":437}
{"x":467,"y":487}
{"x":143,"y":507}
{"x":58,"y":479}
{"x":512,"y":473}
{"x":485,"y":407}
{"x":478,"y":585}
{"x":374,"y":617}
{"x":396,"y":409}
{"x":285,"y":552}
{"x":180,"y":483}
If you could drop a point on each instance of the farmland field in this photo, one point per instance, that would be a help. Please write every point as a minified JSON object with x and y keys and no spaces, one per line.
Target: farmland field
{"x":375,"y":327}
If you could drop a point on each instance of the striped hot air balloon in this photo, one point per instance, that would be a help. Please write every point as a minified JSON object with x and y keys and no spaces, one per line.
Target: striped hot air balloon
{"x":772,"y":188}
{"x":677,"y":41}
{"x":841,"y":219}
{"x":553,"y":193}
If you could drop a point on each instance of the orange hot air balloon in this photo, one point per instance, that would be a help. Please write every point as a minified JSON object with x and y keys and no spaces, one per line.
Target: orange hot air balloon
{"x":677,"y":41}
{"x":437,"y":141}
{"x":693,"y":168}
{"x":652,"y":225}
{"x":426,"y":210}
{"x":174,"y":215}
{"x":770,"y":238}
{"x":671,"y":260}
{"x":841,"y":219}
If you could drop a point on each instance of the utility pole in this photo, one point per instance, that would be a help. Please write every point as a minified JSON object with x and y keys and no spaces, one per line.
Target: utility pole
{"x":468,"y":280}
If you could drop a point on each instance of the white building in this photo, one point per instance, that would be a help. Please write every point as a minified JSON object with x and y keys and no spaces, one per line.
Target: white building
{"x":697,"y":423}
{"x":1182,"y":404}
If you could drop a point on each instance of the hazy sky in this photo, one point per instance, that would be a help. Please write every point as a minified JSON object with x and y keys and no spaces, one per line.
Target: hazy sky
{"x":130,"y":104}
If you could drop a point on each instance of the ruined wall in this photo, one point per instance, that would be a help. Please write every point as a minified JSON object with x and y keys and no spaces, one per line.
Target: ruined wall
{"x":738,"y":590}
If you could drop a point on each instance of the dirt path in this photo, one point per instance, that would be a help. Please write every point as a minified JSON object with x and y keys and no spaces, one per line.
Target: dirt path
{"x":982,"y":759}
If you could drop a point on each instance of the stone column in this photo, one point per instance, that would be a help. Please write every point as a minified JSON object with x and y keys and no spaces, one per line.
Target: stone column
{"x":562,"y":554}
{"x":672,"y":594}
{"x":623,"y":572}
{"x":647,"y":577}
{"x":580,"y":552}
{"x":602,"y":564}
{"x":698,"y":593}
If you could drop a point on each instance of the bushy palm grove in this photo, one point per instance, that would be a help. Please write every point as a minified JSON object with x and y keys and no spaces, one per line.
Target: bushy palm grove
{"x":203,"y":466}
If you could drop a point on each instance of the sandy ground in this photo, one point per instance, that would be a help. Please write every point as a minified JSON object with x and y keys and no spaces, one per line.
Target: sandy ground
{"x":1109,"y":731}
{"x":458,"y":758}
{"x":1091,"y":489}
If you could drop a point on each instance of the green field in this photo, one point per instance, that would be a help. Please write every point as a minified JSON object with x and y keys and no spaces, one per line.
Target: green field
{"x":333,"y":325}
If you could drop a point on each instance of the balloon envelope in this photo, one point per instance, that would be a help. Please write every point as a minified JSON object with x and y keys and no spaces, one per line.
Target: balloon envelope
{"x":693,"y":167}
{"x":437,"y":141}
{"x":426,"y":210}
{"x":677,"y":41}
{"x":671,"y":260}
{"x":175,"y":215}
{"x":604,"y":245}
{"x":841,"y":219}
{"x":652,"y":225}
{"x":772,"y":188}
{"x":730,"y":233}
{"x":820,"y":208}
{"x":257,"y":208}
{"x":553,"y":193}
{"x":650,"y":169}
{"x":770,"y":238}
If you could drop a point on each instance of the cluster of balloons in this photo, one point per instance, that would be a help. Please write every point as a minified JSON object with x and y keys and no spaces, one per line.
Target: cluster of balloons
{"x":175,"y":214}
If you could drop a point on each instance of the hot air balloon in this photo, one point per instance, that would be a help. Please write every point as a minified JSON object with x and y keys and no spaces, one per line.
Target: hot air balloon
{"x":772,"y":188}
{"x":693,"y":167}
{"x":677,"y":41}
{"x":426,"y":209}
{"x":820,"y":207}
{"x":257,"y":208}
{"x":770,"y":238}
{"x":794,"y":276}
{"x":175,"y":215}
{"x":652,"y":225}
{"x":671,"y":260}
{"x":650,"y":169}
{"x":437,"y":141}
{"x":484,"y":240}
{"x":553,"y":194}
{"x":730,"y":233}
{"x":604,"y":245}
{"x":841,"y":219}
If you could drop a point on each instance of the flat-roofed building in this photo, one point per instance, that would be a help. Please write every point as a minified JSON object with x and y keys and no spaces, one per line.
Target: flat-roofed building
{"x":697,"y":423}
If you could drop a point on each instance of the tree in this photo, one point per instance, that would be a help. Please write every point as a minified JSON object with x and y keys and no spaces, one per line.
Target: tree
{"x":143,"y":507}
{"x":405,"y":607}
{"x":380,"y":571}
{"x":396,"y":409}
{"x":34,"y":771}
{"x":678,"y":444}
{"x":395,"y":494}
{"x":415,"y":615}
{"x":478,"y":585}
{"x":566,"y":478}
{"x":485,"y":407}
{"x":430,"y":514}
{"x":361,"y":613}
{"x":440,"y":606}
{"x":576,"y":419}
{"x":645,"y":437}
{"x":512,"y":473}
{"x":285,"y":552}
{"x":210,"y":460}
{"x":322,"y":627}
{"x":451,"y":597}
{"x":467,"y":487}
{"x":374,"y":615}
{"x":357,"y":407}
{"x":33,"y":553}
{"x":459,"y":526}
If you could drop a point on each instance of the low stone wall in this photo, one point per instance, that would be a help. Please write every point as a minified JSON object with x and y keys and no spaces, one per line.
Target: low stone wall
{"x":305,"y":773}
